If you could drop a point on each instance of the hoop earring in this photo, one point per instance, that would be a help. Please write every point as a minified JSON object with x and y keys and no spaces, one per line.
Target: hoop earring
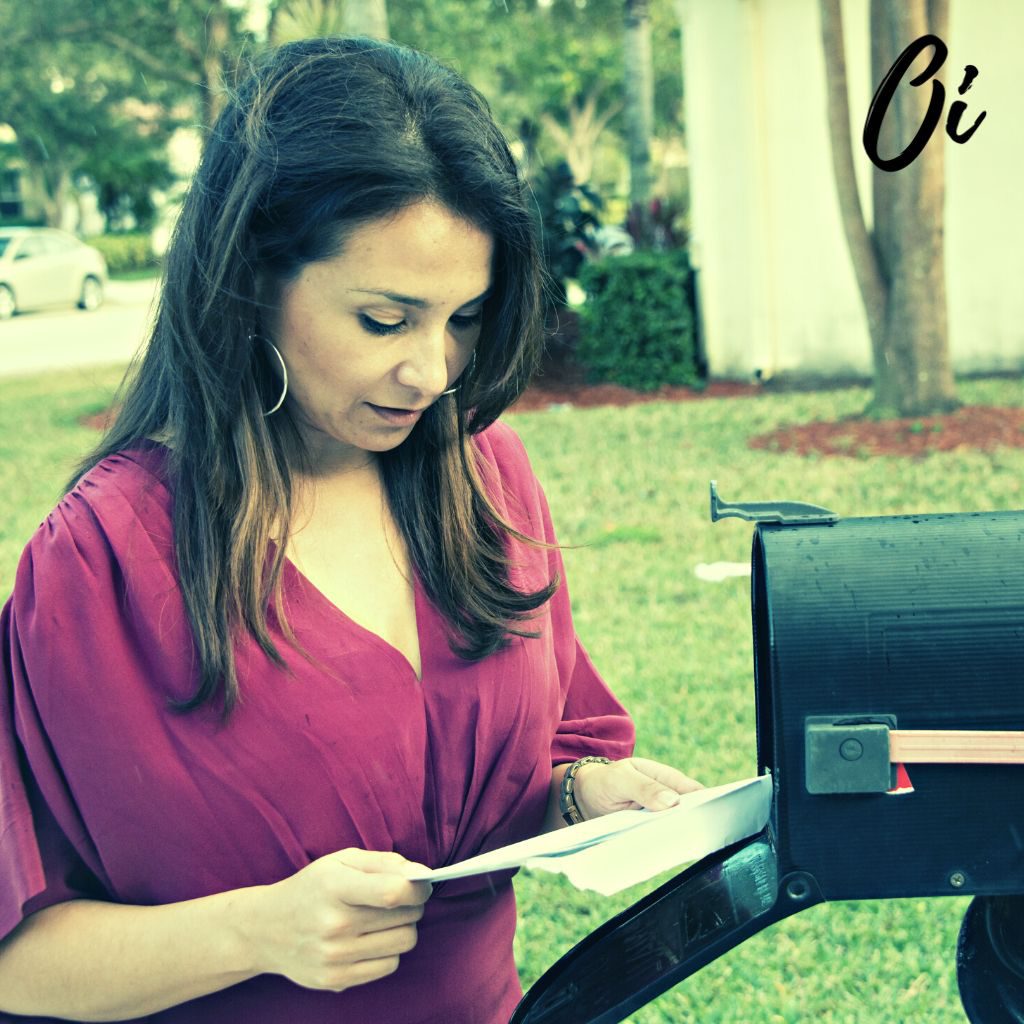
{"x":465,"y":375}
{"x":284,"y":379}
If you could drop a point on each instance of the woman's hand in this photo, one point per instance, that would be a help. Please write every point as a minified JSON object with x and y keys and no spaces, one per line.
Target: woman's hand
{"x":343,"y":920}
{"x":629,"y":784}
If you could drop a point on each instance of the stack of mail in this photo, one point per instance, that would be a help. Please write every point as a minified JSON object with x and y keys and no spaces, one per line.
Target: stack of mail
{"x":628,"y":847}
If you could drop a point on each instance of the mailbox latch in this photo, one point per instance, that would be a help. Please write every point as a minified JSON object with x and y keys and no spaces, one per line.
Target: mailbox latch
{"x":849,"y":754}
{"x":859,"y":754}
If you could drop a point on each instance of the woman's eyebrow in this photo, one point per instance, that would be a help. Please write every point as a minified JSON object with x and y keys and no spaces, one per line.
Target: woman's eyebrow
{"x":409,"y":300}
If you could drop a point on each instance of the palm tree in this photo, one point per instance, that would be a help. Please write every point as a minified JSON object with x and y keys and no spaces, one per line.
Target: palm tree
{"x":639,"y":114}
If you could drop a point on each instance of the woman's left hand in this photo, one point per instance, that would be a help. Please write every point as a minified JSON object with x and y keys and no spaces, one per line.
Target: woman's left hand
{"x":629,"y":784}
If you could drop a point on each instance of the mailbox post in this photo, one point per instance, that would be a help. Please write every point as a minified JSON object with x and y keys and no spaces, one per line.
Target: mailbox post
{"x":889,"y":686}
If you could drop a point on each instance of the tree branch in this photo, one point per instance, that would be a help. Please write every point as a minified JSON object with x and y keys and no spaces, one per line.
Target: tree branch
{"x":862,"y":250}
{"x":144,"y":58}
{"x":188,"y":45}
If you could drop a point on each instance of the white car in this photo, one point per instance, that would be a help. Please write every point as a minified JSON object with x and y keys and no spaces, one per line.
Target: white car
{"x":42,"y":267}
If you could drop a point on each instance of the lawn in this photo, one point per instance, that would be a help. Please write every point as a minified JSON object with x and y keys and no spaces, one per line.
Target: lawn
{"x":628,"y":491}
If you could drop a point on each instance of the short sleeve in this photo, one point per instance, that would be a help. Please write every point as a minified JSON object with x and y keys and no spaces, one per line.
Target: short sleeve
{"x":39,"y":865}
{"x":593,"y":721}
{"x":65,"y":635}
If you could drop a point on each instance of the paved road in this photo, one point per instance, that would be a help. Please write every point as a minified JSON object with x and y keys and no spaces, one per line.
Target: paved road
{"x":57,"y":339}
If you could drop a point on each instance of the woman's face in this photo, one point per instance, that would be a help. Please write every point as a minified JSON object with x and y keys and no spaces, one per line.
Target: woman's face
{"x":371,"y":337}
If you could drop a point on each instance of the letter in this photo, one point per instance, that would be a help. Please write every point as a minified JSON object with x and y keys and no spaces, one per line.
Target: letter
{"x":887,"y":89}
{"x":957,"y":109}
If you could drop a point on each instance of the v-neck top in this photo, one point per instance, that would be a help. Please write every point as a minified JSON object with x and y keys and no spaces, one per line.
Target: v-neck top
{"x":106,"y":793}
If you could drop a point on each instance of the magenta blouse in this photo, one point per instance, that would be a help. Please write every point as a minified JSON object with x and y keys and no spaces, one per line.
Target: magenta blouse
{"x":107,"y":794}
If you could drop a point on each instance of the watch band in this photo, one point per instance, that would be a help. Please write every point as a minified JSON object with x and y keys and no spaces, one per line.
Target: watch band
{"x":567,"y":800}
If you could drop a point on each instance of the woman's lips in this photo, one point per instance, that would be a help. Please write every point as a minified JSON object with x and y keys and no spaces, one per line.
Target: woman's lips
{"x":396,"y":417}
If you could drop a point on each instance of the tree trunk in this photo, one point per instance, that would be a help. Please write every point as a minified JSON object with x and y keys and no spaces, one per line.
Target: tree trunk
{"x":367,"y":18}
{"x":215,"y":57}
{"x":46,"y":170}
{"x":900,"y":265}
{"x":862,"y":245}
{"x":51,"y":185}
{"x":639,"y":113}
{"x":914,"y":375}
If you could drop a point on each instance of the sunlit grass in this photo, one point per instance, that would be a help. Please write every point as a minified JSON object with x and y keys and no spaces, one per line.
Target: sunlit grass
{"x":628,"y":492}
{"x":40,"y":442}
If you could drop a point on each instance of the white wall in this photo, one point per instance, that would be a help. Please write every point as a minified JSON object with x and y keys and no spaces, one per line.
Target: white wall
{"x":777,"y":287}
{"x":985,"y":207}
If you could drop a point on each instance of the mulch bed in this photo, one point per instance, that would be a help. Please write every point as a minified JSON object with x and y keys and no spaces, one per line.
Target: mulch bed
{"x":546,"y":392}
{"x":976,"y":427}
{"x":979,"y":428}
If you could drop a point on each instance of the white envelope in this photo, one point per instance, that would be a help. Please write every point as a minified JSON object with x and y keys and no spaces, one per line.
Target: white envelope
{"x":628,"y":847}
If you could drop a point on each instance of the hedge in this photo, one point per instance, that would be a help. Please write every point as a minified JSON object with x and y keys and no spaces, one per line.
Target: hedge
{"x":637,"y":325}
{"x":125,"y":253}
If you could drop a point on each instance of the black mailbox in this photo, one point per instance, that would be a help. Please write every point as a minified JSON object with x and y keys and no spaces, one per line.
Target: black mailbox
{"x":889,"y":681}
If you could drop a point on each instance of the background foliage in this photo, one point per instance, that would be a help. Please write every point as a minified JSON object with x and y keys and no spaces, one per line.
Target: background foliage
{"x":95,"y":90}
{"x":637,"y":327}
{"x":530,"y":60}
{"x":125,"y":253}
{"x":568,"y":214}
{"x":82,"y":78}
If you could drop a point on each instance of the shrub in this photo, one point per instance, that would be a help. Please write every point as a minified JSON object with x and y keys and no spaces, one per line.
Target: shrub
{"x":569,"y":214}
{"x":125,"y":253}
{"x":637,"y":326}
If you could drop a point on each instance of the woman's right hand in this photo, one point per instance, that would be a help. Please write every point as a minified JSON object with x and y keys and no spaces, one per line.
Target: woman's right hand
{"x":343,"y":920}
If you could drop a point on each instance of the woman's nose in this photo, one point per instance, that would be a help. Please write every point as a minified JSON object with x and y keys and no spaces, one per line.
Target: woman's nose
{"x":425,"y":366}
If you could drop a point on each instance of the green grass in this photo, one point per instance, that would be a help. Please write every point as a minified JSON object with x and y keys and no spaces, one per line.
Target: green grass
{"x":40,"y":441}
{"x":628,"y":489}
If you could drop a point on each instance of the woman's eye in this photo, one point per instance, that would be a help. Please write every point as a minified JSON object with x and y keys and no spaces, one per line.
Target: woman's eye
{"x":463,"y":321}
{"x":377,"y":327}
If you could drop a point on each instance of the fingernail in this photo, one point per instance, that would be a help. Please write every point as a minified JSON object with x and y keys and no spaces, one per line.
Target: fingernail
{"x":668,"y":798}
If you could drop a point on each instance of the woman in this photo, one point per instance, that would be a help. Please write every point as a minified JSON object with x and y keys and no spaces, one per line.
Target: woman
{"x":301,"y":622}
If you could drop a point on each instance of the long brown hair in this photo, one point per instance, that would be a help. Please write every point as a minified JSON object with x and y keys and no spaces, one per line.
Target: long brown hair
{"x":326,"y":135}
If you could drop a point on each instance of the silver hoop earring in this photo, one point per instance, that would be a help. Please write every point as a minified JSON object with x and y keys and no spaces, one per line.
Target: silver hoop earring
{"x":284,"y":379}
{"x":466,"y":373}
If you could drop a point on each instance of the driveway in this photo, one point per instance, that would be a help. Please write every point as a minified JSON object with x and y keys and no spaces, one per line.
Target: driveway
{"x":57,"y":339}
